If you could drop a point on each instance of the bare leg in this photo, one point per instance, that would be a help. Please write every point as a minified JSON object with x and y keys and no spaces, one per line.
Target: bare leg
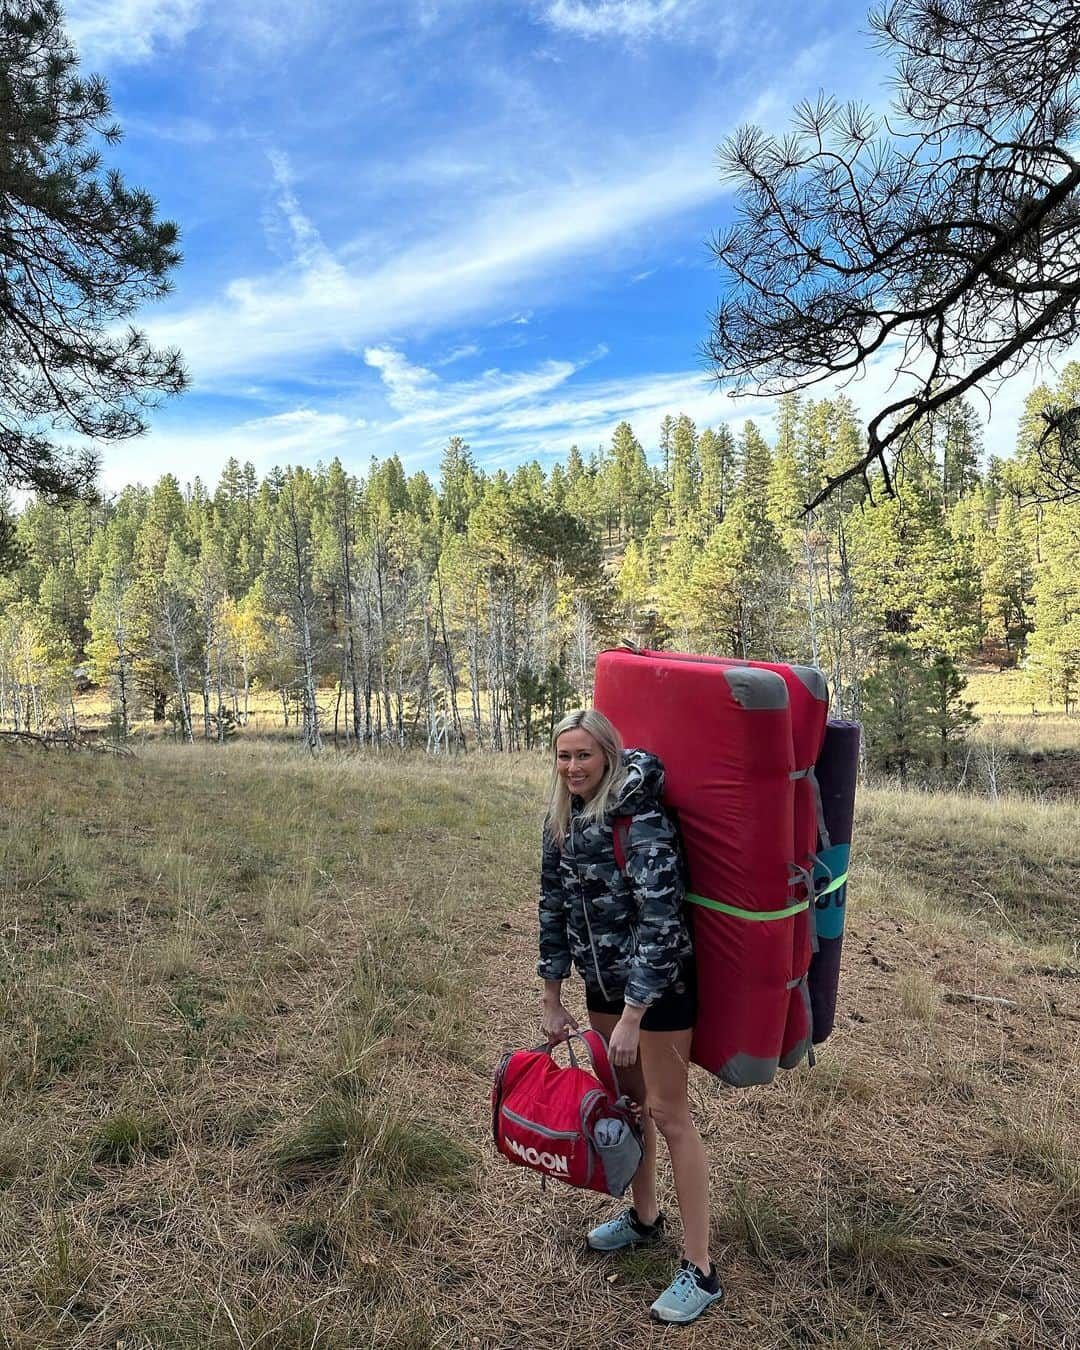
{"x":632,"y":1082}
{"x":665,"y":1059}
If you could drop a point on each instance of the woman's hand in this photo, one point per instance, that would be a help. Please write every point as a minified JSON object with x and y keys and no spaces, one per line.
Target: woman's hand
{"x":623,"y":1046}
{"x":557,"y":1023}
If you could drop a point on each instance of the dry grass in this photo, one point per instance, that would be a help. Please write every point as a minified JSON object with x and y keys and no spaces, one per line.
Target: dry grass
{"x":1007,"y":693}
{"x":249,"y":1008}
{"x":1010,"y":865}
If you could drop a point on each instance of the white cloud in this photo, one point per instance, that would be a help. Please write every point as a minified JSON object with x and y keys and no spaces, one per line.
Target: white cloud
{"x":506,"y":416}
{"x":407,"y":385}
{"x":509,"y":253}
{"x":129,"y":31}
{"x":459,"y":354}
{"x":490,"y":399}
{"x":296,"y":435}
{"x":630,"y":19}
{"x":308,"y":249}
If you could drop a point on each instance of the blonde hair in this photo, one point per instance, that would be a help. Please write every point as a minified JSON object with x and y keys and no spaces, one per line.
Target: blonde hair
{"x":610,"y":743}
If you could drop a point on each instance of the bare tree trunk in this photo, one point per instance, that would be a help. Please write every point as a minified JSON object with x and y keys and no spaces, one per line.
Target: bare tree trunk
{"x":811,"y":589}
{"x":207,"y":639}
{"x":181,"y":683}
{"x":583,"y":647}
{"x":220,"y":684}
{"x":448,"y":661}
{"x":309,"y":704}
{"x":384,"y":677}
{"x":351,"y":675}
{"x":122,"y":658}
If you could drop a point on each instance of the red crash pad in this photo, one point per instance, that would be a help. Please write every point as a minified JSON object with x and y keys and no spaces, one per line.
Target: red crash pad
{"x":737,"y":740}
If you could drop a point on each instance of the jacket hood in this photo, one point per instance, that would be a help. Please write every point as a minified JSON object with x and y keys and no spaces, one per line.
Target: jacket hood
{"x":644,"y":782}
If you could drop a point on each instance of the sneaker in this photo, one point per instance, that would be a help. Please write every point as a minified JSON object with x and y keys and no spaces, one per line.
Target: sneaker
{"x":625,"y":1230}
{"x":688,"y":1295}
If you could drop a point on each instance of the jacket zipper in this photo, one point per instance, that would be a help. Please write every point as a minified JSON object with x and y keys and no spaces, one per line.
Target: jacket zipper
{"x":588,"y":925}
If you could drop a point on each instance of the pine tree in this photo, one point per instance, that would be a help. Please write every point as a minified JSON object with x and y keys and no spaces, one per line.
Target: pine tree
{"x":960,"y":438}
{"x":79,"y":252}
{"x":557,"y":489}
{"x":667,"y":431}
{"x":632,"y":585}
{"x":787,"y":487}
{"x":716,"y":453}
{"x":290,"y":586}
{"x":684,"y":471}
{"x":951,"y":716}
{"x":631,"y":482}
{"x":1009,"y":578}
{"x":754,"y":459}
{"x":896,"y":709}
{"x":110,"y":647}
{"x":459,"y":484}
{"x":1054,"y":645}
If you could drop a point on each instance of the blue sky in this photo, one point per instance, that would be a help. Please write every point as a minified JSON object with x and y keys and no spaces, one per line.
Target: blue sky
{"x":404,"y":221}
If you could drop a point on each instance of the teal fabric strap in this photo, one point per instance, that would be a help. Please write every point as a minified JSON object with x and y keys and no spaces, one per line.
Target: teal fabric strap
{"x":756,"y":915}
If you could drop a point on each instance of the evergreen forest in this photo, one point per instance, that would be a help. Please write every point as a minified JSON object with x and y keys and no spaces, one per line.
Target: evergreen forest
{"x":466,"y":612}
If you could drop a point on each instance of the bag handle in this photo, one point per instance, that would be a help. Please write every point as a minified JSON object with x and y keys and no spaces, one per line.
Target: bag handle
{"x":596,"y":1047}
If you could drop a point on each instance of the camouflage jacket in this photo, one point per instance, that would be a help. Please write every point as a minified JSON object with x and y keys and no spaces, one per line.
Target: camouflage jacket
{"x":624,"y":931}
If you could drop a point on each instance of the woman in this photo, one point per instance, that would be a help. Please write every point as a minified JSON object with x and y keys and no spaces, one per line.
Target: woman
{"x":626,"y":933}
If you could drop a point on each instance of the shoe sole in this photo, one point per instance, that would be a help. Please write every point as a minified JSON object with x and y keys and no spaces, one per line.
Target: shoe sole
{"x":623,"y":1246}
{"x":685,"y":1321}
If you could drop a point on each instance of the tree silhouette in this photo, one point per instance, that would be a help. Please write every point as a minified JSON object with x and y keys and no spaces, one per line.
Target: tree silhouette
{"x":79,"y":252}
{"x":945,"y":238}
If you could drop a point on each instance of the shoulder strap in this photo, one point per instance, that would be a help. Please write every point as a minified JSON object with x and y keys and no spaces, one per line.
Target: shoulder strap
{"x":620,"y":833}
{"x":602,"y":1067}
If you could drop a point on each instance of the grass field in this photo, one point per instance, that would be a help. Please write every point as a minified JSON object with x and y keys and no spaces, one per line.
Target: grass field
{"x":250,"y":1004}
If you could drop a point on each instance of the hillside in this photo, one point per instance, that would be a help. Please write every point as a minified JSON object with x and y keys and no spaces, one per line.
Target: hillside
{"x":249,"y":1008}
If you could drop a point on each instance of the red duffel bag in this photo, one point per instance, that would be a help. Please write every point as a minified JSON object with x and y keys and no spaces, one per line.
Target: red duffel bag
{"x":566,"y":1123}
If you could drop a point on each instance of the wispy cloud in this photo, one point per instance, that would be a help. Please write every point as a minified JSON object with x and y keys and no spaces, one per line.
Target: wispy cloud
{"x":459,"y":354}
{"x":449,"y":407}
{"x":129,"y":31}
{"x":308,"y":249}
{"x":408,"y":386}
{"x":298,"y":435}
{"x":632,"y":19}
{"x":507,"y":417}
{"x":321,"y":304}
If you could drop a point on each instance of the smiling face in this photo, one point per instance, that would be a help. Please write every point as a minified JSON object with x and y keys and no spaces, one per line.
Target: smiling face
{"x":580,"y":762}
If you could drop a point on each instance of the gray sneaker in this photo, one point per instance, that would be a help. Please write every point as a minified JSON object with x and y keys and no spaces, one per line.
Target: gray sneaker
{"x":688,"y":1295}
{"x":625,"y":1230}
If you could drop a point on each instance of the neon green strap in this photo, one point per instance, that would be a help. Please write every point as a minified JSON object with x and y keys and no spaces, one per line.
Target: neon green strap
{"x":757,"y":915}
{"x":834,"y":885}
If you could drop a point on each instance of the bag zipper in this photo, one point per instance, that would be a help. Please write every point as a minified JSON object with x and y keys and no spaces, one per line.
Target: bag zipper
{"x":592,"y":1098}
{"x":540,"y":1129}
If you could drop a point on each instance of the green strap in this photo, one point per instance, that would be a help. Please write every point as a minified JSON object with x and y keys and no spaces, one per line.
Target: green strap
{"x":757,"y":915}
{"x":834,"y":885}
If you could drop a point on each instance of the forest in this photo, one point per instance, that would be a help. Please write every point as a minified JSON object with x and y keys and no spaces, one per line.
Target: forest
{"x":391,"y":609}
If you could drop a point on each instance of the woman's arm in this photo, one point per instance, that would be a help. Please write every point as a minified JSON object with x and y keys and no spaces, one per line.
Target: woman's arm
{"x":554,"y":961}
{"x":554,"y":964}
{"x":654,"y":872}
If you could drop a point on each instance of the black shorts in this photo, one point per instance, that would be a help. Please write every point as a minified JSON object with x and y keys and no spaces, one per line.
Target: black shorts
{"x":674,"y":1011}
